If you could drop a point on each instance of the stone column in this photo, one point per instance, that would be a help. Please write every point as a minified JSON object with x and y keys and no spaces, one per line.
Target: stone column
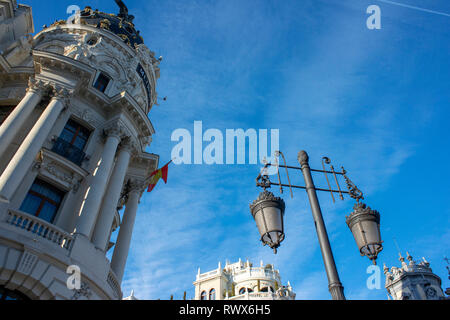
{"x":103,"y":226}
{"x":93,"y":199}
{"x":23,"y":159}
{"x":120,"y":255}
{"x":14,"y":122}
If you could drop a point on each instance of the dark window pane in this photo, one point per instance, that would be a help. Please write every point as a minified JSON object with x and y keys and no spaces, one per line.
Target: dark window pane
{"x":5,"y":111}
{"x":71,"y":126}
{"x":48,"y":212}
{"x":79,"y":142}
{"x":72,"y":141}
{"x":31,"y":204}
{"x":66,"y":136}
{"x":42,"y":200}
{"x":102,"y":82}
{"x":47,"y":191}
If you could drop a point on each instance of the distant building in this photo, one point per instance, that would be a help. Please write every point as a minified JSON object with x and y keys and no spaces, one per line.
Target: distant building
{"x":242,"y":281}
{"x":413,"y":281}
{"x":74,"y":128}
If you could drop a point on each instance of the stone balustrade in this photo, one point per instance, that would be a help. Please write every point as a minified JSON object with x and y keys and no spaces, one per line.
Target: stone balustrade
{"x":39,"y":228}
{"x":114,"y":284}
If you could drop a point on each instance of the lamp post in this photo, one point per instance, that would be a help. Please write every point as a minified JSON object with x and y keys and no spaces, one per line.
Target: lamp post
{"x":268,"y":212}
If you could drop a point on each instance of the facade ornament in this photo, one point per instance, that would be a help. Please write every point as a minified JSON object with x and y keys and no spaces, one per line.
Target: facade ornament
{"x":86,"y":115}
{"x":127,"y":143}
{"x":37,"y":86}
{"x":146,"y":140}
{"x":105,"y":24}
{"x":84,"y":291}
{"x":425,"y":263}
{"x":135,"y":185}
{"x":53,"y":169}
{"x":117,"y":128}
{"x":62,"y":94}
{"x":402,"y":260}
{"x":114,"y":130}
{"x":410,"y":259}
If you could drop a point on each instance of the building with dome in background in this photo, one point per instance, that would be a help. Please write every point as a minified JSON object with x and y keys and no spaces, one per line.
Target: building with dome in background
{"x":242,"y":281}
{"x":74,"y":105}
{"x":414,"y":280}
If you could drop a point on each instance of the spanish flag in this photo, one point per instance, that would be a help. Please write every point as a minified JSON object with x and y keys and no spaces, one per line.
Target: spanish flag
{"x":158,"y":174}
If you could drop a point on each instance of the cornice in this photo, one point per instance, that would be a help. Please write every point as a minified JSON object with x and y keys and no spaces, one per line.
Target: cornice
{"x":7,"y":68}
{"x":121,"y":101}
{"x":114,"y":39}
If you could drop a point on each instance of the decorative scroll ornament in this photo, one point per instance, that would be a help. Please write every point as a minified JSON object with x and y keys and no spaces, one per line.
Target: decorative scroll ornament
{"x":353,"y":190}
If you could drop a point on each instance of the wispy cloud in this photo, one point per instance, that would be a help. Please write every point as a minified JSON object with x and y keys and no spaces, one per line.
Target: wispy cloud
{"x":230,"y":65}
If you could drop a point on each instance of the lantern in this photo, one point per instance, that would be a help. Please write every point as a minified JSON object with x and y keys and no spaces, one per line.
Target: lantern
{"x":364,"y":223}
{"x":268,"y":212}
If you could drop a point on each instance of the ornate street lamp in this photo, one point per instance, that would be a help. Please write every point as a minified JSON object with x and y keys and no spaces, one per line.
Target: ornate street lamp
{"x":364,"y":223}
{"x":268,"y":212}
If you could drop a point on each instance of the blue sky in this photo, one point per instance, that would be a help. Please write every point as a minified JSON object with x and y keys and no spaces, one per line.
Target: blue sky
{"x":374,"y":101}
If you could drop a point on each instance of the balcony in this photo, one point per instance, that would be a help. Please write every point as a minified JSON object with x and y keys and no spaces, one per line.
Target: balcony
{"x":39,"y":228}
{"x":68,"y":151}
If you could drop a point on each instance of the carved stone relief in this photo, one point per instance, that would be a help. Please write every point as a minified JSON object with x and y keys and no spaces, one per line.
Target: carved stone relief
{"x":84,"y":291}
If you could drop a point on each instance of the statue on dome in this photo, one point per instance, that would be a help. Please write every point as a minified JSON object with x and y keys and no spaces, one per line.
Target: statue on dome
{"x":124,"y":11}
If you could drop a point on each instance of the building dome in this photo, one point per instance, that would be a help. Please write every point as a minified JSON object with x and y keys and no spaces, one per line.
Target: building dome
{"x":121,"y":24}
{"x":242,"y":281}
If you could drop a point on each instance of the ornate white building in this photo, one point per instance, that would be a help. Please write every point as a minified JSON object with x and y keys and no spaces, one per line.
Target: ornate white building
{"x":242,"y":281}
{"x":74,"y":101}
{"x":413,"y":281}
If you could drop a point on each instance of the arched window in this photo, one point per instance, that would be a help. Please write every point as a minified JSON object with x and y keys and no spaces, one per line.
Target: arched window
{"x":249,"y":290}
{"x":212,"y":294}
{"x":265,"y":289}
{"x":203,"y":295}
{"x":242,"y":290}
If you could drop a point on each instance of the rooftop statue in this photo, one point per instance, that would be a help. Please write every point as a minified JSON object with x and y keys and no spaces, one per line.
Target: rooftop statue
{"x":124,"y":11}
